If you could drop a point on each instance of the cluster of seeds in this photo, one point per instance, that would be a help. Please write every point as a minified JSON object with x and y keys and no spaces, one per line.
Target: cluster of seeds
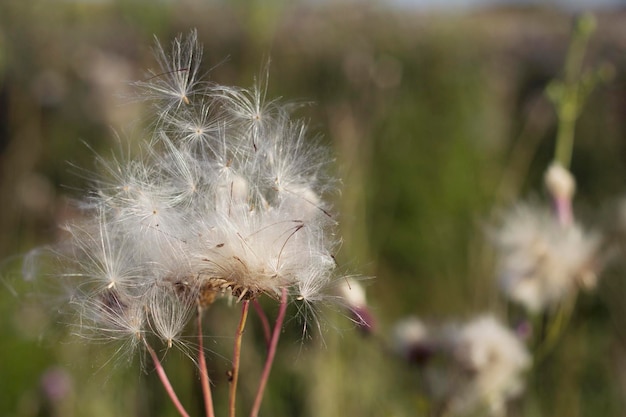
{"x":225,"y":198}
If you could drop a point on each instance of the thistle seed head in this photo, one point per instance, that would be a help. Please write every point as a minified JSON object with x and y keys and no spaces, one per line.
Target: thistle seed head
{"x":228,"y":198}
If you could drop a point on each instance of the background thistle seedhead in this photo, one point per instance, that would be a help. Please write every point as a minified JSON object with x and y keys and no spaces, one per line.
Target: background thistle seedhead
{"x":425,"y":118}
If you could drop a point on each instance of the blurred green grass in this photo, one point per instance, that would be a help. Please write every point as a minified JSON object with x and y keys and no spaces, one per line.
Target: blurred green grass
{"x":434,"y":121}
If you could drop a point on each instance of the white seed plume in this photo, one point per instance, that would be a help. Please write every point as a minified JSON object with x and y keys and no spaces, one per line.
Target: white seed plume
{"x":466,"y":369}
{"x":492,"y":361}
{"x":227,"y":198}
{"x":540,"y":260}
{"x":177,"y":82}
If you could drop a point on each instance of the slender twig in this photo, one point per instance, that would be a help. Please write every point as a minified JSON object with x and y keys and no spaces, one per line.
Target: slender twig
{"x":555,"y":327}
{"x":264,"y":321}
{"x":165,"y":381}
{"x":270,"y":354}
{"x":571,"y":96}
{"x":236,"y":358}
{"x":204,"y":373}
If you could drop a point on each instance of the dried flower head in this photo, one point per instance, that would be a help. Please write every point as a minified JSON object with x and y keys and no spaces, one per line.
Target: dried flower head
{"x":491,"y":361}
{"x":227,"y":199}
{"x":541,"y":260}
{"x":464,"y":369}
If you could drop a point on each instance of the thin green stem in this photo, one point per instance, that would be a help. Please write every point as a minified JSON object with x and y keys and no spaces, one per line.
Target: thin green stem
{"x":236,"y":358}
{"x":556,"y":326}
{"x":270,"y":354}
{"x":165,"y":381}
{"x":569,"y":100}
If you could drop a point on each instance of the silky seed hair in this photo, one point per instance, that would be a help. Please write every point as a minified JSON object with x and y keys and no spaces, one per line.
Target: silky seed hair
{"x":227,"y":197}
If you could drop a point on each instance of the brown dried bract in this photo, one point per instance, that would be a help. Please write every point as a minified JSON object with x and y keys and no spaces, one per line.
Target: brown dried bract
{"x":211,"y":287}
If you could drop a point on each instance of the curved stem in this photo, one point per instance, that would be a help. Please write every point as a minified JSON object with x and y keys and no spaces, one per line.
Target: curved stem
{"x":165,"y":381}
{"x":236,"y":358}
{"x":570,"y":100}
{"x":204,"y":373}
{"x":555,"y":328}
{"x":264,"y":322}
{"x":270,"y":354}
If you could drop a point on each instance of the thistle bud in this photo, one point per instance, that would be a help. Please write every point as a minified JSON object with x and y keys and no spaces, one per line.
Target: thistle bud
{"x":561,"y":185}
{"x":354,"y":296}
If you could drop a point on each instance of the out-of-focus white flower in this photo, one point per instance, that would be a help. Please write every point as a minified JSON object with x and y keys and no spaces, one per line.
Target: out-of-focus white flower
{"x":491,"y":361}
{"x":540,"y":260}
{"x":465,"y":369}
{"x":227,"y":198}
{"x":413,"y":340}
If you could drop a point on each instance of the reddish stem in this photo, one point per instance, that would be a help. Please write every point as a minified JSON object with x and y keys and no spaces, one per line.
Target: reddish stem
{"x":264,"y":321}
{"x":270,"y":354}
{"x":564,"y":210}
{"x":204,"y":373}
{"x":236,"y":358}
{"x":165,"y":381}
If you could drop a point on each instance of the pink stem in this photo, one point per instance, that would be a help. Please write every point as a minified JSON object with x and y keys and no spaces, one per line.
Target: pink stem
{"x":264,"y":321}
{"x":204,"y":373}
{"x":165,"y":381}
{"x":270,"y":354}
{"x":564,"y":210}
{"x":236,"y":358}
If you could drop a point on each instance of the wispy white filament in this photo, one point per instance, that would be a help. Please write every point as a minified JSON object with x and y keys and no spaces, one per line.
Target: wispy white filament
{"x":226,"y":197}
{"x":541,"y":260}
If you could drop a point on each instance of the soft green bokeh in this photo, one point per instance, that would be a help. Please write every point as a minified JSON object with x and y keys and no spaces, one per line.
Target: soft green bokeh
{"x":435,"y":121}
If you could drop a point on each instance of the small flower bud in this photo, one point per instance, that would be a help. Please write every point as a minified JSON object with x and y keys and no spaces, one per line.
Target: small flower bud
{"x":354,"y":296}
{"x":560,"y":182}
{"x":412,"y":341}
{"x":353,"y":293}
{"x":561,"y":185}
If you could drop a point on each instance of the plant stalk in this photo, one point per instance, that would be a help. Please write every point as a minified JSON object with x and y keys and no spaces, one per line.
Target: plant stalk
{"x":236,"y":358}
{"x":270,"y":354}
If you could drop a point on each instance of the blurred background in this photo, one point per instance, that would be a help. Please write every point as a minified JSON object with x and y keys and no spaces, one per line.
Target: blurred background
{"x":437,"y":116}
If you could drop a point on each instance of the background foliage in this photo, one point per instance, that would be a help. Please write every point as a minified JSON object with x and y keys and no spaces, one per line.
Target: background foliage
{"x":436,"y":120}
